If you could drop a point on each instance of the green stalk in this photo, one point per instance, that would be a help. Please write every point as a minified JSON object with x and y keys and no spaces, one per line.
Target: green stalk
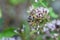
{"x":43,"y":4}
{"x":27,"y":30}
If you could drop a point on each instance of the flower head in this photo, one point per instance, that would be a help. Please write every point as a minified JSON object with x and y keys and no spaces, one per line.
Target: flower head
{"x":39,"y":14}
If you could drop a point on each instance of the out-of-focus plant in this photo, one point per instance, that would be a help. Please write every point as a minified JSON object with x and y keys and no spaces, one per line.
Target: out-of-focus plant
{"x":7,"y":33}
{"x":52,"y":13}
{"x":38,"y":16}
{"x":36,"y":19}
{"x":45,"y":3}
{"x":15,"y":2}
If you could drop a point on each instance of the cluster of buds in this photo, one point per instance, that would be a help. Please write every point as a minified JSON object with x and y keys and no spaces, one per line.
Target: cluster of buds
{"x":38,"y":15}
{"x":53,"y":26}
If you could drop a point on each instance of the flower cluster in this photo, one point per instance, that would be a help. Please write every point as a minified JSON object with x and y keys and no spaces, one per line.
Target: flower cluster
{"x":49,"y":27}
{"x":53,"y":26}
{"x":38,"y":15}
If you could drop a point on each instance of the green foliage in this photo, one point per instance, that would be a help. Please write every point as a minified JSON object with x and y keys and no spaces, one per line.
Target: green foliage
{"x":39,"y":37}
{"x":32,"y":32}
{"x":45,"y":3}
{"x":52,"y":14}
{"x":40,"y":3}
{"x":15,"y":2}
{"x":26,"y":34}
{"x":27,"y":30}
{"x":7,"y":33}
{"x":1,"y":22}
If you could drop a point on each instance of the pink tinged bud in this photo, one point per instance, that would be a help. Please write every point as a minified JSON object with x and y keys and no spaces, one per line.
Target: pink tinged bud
{"x":36,"y":10}
{"x":40,"y":15}
{"x":41,"y":10}
{"x":46,"y":10}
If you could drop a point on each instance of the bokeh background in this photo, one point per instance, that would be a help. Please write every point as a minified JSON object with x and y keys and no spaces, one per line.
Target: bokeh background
{"x":14,"y":15}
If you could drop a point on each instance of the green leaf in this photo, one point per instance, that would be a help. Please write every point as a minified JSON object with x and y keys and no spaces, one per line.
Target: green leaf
{"x":27,"y":30}
{"x":36,"y":4}
{"x":7,"y":33}
{"x":52,"y":14}
{"x":15,"y":2}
